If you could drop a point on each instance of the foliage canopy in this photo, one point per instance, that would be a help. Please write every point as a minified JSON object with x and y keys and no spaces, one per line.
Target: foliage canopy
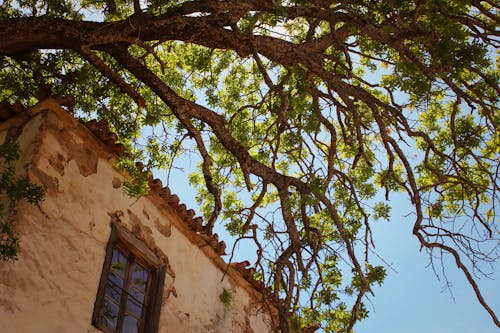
{"x":307,"y":116}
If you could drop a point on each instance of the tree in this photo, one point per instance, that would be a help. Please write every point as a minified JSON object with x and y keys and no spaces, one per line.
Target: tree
{"x":307,"y":117}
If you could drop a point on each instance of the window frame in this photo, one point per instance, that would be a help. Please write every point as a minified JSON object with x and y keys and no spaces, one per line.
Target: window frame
{"x":133,"y":249}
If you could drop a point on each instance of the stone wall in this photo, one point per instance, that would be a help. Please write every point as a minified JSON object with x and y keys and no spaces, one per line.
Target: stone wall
{"x":53,"y":285}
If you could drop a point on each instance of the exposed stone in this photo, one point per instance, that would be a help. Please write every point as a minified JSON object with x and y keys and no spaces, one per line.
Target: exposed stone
{"x":86,"y":160}
{"x":50,"y":183}
{"x":164,"y":229}
{"x":57,"y":162}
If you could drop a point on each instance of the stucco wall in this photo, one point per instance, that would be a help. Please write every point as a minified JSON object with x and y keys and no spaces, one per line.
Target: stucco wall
{"x":52,"y":287}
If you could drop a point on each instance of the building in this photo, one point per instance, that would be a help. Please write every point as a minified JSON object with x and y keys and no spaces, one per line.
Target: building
{"x":93,"y":259}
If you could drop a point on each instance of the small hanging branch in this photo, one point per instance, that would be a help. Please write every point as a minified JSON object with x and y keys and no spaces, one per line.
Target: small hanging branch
{"x":91,"y":57}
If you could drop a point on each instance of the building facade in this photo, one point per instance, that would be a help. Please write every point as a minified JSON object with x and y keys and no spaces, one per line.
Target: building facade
{"x":92,"y":259}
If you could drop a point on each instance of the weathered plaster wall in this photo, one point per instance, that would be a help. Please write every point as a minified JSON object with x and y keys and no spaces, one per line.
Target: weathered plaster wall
{"x":52,"y":287}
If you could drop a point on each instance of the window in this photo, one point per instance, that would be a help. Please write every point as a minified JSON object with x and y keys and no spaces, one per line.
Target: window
{"x":131,"y":286}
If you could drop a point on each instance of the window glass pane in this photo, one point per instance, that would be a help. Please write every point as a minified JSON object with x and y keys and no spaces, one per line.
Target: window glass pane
{"x":113,"y":291}
{"x":139,"y":278}
{"x":118,"y":262}
{"x":135,"y":302}
{"x":109,"y":314}
{"x":130,"y":325}
{"x":115,"y":281}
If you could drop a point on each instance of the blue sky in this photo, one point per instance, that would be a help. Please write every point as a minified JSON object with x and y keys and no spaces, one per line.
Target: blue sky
{"x":412,"y":299}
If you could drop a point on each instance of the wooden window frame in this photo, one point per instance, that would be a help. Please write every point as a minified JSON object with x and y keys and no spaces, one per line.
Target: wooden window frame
{"x":127,"y":243}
